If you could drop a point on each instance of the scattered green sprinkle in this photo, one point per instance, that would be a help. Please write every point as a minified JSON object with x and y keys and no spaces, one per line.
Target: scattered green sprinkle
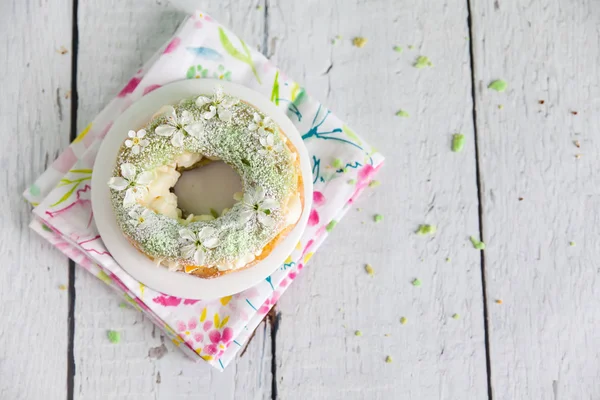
{"x":358,"y":333}
{"x":62,"y":287}
{"x":500,"y":106}
{"x":374,"y":184}
{"x":416,"y":282}
{"x":359,"y":209}
{"x":458,"y":142}
{"x":426,"y":229}
{"x":378,"y":218}
{"x":398,"y":49}
{"x":402,"y":113}
{"x":369,"y":269}
{"x":259,"y":7}
{"x":571,"y":243}
{"x":422,"y":62}
{"x":351,"y":181}
{"x":331,"y":225}
{"x":387,"y":335}
{"x":359,"y":42}
{"x":122,"y":305}
{"x":448,"y":259}
{"x":403,"y":320}
{"x":113,"y":336}
{"x":410,"y":46}
{"x":455,"y":316}
{"x":337,"y":163}
{"x":214,"y":213}
{"x":498,"y":85}
{"x":336,"y":39}
{"x":479,"y":245}
{"x":388,"y":359}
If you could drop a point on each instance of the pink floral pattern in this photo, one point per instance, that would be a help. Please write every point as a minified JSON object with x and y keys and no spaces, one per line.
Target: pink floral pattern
{"x":215,"y":329}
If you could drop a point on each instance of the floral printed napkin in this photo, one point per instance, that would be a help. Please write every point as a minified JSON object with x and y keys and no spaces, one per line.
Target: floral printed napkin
{"x":342,"y":164}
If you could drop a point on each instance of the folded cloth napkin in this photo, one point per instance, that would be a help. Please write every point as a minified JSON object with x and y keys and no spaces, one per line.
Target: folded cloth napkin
{"x":342,"y":164}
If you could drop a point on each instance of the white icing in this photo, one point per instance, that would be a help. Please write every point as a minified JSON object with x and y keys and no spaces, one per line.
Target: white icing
{"x":166,"y":205}
{"x":186,"y":160}
{"x":239,"y":263}
{"x":294,"y":210}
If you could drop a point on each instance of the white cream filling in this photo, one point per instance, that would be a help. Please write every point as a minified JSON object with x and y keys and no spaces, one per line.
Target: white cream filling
{"x":161,"y":200}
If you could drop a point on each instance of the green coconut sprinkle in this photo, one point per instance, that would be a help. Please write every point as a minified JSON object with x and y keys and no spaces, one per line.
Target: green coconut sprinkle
{"x":410,"y":46}
{"x":374,"y":184}
{"x":498,"y":85}
{"x":337,"y":163}
{"x":426,"y":229}
{"x":398,"y":49}
{"x":403,"y":320}
{"x":479,"y":245}
{"x":416,"y":282}
{"x":331,"y":225}
{"x":455,"y":316}
{"x":378,"y":218}
{"x":402,"y":113}
{"x":500,"y":106}
{"x":448,"y":259}
{"x":359,"y":42}
{"x":351,"y":181}
{"x":214,"y":213}
{"x":358,"y":333}
{"x":422,"y":62}
{"x":458,"y":142}
{"x":113,"y":336}
{"x":369,"y":269}
{"x":571,"y":244}
{"x":388,"y":359}
{"x":122,"y":305}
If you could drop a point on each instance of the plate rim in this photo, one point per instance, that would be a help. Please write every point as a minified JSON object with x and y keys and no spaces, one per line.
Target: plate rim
{"x":122,"y":251}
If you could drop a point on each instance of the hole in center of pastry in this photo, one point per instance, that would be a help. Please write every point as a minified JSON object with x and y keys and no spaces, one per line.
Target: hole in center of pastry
{"x":210,"y":186}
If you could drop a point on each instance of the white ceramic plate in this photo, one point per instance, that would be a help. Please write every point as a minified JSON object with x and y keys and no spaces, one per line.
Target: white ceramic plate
{"x":137,"y":264}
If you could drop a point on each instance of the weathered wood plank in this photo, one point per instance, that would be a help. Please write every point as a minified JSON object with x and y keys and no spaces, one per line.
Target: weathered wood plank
{"x":34,"y":115}
{"x":139,"y":367}
{"x":434,"y":356}
{"x":544,"y":337}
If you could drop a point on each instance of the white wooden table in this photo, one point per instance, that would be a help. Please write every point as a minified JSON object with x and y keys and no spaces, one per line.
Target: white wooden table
{"x":518,"y":184}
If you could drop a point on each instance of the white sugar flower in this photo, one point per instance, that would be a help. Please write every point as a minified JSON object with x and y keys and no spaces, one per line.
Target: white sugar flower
{"x":139,"y":219}
{"x":219,"y":105}
{"x":136,"y":185}
{"x":196,"y":244}
{"x":263,"y":126}
{"x":136,"y":141}
{"x":268,"y":144}
{"x":257,"y":206}
{"x":177,"y":127}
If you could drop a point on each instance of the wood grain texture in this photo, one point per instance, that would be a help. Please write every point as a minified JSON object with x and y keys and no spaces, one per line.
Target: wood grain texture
{"x":34,"y":116}
{"x":121,"y":36}
{"x":544,"y":338}
{"x":434,"y":356}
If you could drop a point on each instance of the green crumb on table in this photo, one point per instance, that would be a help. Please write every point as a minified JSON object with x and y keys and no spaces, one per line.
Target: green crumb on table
{"x":359,"y":209}
{"x":398,"y":49}
{"x":351,"y":181}
{"x":336,"y":39}
{"x":122,"y":305}
{"x":331,"y":225}
{"x":478,"y":244}
{"x":416,"y":282}
{"x":387,"y":335}
{"x":378,"y":218}
{"x":214,"y":213}
{"x":571,"y":244}
{"x":369,"y":269}
{"x":448,"y":259}
{"x":425,"y":229}
{"x":403,"y":320}
{"x":455,"y":316}
{"x":500,"y":106}
{"x":422,"y":62}
{"x":259,"y":7}
{"x":402,"y":113}
{"x":458,"y":142}
{"x":374,"y":184}
{"x":359,"y":42}
{"x":498,"y":85}
{"x":358,"y":333}
{"x":388,"y":359}
{"x":337,"y":163}
{"x":410,"y":46}
{"x":62,"y":287}
{"x":113,"y":336}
